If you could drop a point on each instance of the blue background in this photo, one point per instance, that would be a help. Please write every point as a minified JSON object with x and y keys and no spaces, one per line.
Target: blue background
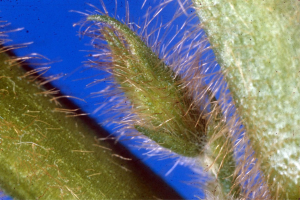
{"x":49,"y":25}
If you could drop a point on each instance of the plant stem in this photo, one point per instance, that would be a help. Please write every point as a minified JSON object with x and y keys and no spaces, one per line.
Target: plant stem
{"x":46,"y":152}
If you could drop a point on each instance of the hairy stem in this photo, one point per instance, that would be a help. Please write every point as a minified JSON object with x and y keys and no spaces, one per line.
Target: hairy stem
{"x":46,"y":152}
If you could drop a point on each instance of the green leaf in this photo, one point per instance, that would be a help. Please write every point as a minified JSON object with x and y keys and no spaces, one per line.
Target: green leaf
{"x":165,"y":110}
{"x":257,"y":45}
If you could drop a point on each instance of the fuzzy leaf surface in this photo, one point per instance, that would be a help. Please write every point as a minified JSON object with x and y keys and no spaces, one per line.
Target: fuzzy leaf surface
{"x":257,"y":45}
{"x":165,"y":111}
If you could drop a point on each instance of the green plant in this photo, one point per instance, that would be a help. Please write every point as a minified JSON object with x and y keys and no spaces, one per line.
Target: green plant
{"x":249,"y":39}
